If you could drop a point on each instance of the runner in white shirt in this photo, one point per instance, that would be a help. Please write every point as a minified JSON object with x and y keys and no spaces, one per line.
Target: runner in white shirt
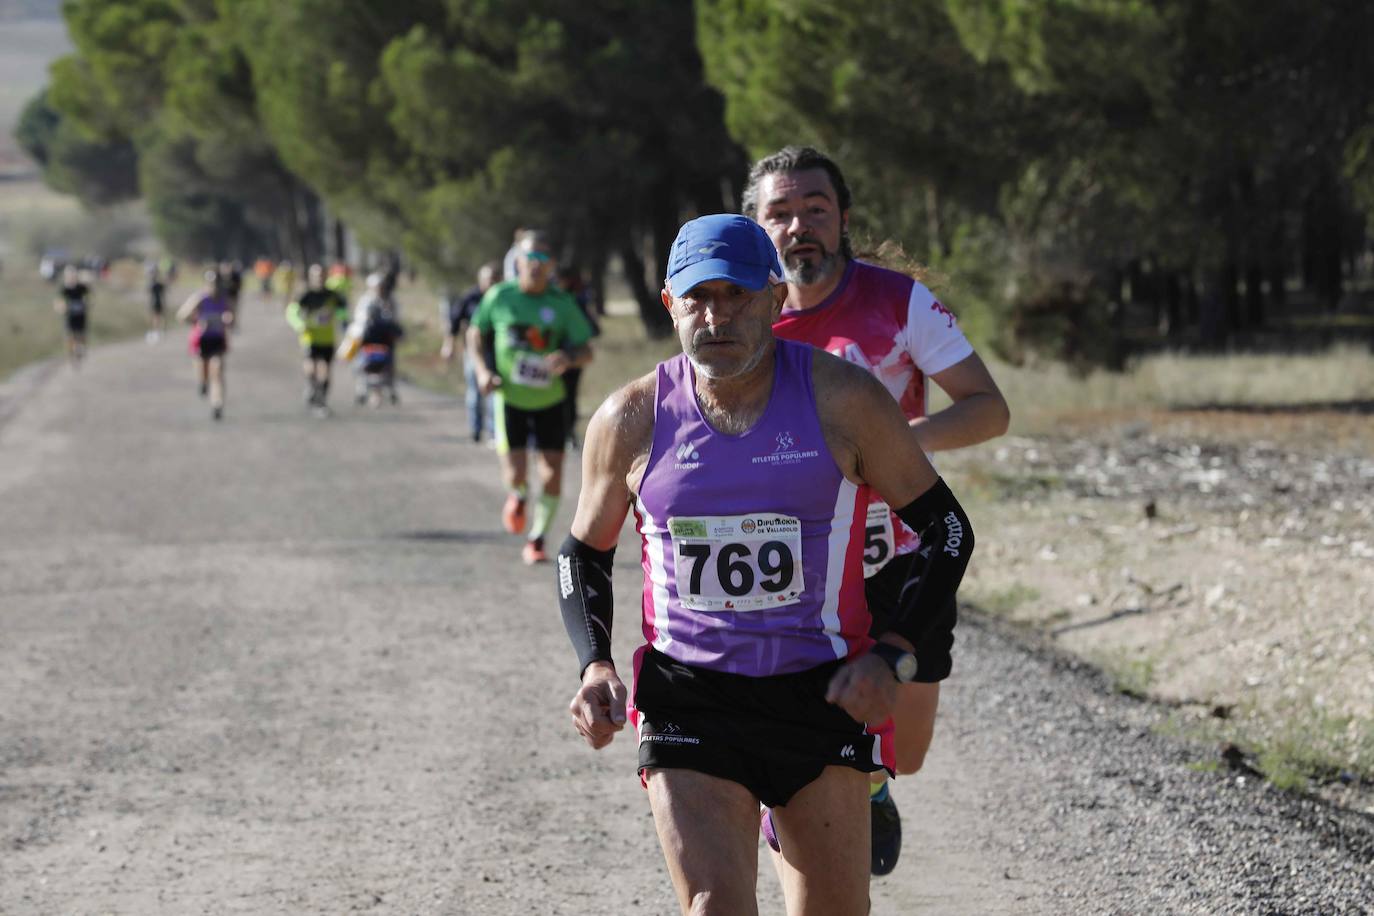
{"x":892,"y":325}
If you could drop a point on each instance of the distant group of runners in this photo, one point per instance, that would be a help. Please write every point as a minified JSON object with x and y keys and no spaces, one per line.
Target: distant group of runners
{"x":318,"y":313}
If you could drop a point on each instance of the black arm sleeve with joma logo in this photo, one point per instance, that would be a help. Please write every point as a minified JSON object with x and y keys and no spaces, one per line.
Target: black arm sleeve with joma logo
{"x":947,"y":543}
{"x":584,"y":598}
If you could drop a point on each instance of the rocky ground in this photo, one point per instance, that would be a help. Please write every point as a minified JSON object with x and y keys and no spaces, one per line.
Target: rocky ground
{"x":1219,"y":561}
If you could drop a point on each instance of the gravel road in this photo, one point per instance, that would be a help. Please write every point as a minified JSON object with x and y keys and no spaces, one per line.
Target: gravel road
{"x":286,"y":665}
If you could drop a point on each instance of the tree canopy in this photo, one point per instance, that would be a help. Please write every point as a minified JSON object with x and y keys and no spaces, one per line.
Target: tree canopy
{"x":1065,"y":164}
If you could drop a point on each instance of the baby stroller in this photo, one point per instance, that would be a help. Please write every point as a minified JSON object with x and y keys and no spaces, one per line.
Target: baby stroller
{"x":376,"y":361}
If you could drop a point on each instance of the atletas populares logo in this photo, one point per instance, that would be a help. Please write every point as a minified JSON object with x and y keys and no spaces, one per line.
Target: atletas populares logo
{"x":786,"y":451}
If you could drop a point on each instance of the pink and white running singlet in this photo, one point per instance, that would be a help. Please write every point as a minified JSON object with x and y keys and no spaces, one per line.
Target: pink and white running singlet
{"x":896,"y":329}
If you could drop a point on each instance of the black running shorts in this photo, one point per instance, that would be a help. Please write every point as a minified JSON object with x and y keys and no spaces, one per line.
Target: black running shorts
{"x":548,"y":427}
{"x":212,"y":345}
{"x":76,"y":324}
{"x":884,"y":588}
{"x":321,"y":353}
{"x":772,"y":735}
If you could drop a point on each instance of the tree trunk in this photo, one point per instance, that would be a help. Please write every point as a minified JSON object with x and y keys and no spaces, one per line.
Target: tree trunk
{"x":1212,"y":318}
{"x":1233,"y":318}
{"x":1170,"y":317}
{"x":1276,"y":269}
{"x":657,"y":323}
{"x":340,"y":241}
{"x":1254,"y":296}
{"x":1322,"y":246}
{"x":1192,"y":300}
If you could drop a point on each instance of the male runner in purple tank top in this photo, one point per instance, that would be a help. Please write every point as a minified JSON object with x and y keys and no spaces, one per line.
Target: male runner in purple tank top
{"x":748,"y":463}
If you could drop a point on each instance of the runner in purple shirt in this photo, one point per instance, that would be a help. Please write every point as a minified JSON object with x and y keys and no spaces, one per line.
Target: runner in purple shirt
{"x":748,"y":462}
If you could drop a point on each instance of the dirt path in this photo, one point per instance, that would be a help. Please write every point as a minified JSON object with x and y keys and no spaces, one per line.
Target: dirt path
{"x":281,"y":665}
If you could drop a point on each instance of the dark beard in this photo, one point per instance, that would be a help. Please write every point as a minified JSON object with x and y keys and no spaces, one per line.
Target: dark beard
{"x":806,"y":274}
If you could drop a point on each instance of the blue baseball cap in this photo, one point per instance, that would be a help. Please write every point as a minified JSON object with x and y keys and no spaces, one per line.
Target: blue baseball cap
{"x":722,"y":246}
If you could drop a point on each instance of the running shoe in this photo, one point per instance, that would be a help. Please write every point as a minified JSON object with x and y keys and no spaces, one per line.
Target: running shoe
{"x":887,"y":833}
{"x":217,"y":413}
{"x":513,"y":514}
{"x":533,"y":552}
{"x":770,"y":834}
{"x":204,"y":389}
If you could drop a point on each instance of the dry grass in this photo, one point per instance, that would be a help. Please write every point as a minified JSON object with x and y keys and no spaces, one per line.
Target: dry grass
{"x":1043,"y":396}
{"x":30,"y":330}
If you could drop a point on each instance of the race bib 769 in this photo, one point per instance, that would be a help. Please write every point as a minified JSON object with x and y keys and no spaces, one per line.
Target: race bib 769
{"x":738,"y":562}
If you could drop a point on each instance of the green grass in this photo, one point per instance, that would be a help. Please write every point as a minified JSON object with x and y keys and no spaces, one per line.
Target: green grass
{"x":1295,"y":748}
{"x":1004,"y":603}
{"x":1308,"y":744}
{"x":1131,"y":673}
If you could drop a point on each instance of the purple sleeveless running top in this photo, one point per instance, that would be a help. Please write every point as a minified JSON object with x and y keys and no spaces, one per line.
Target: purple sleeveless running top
{"x":210,"y":315}
{"x":752,"y":544}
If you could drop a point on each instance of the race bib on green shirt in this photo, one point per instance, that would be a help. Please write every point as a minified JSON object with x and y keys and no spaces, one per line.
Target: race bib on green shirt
{"x":530,"y":371}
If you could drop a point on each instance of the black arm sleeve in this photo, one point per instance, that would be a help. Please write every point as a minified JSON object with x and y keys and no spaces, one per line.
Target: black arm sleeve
{"x":946,"y":543}
{"x":584,"y":597}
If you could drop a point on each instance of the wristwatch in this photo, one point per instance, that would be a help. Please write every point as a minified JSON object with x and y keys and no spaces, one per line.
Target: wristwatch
{"x":902,"y":662}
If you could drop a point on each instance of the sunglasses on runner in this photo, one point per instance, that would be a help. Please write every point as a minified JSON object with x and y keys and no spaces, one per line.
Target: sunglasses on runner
{"x":538,"y":256}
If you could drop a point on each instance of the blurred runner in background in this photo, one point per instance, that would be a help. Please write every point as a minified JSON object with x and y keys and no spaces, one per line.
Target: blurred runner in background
{"x":526,"y":334}
{"x":157,"y":289}
{"x":371,"y":340}
{"x":457,"y":317}
{"x":316,"y":316}
{"x":284,"y":280}
{"x":73,"y":304}
{"x":571,"y":282}
{"x":262,"y":269}
{"x":210,"y":315}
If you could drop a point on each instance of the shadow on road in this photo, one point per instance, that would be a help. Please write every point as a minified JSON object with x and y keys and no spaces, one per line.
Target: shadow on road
{"x":461,"y":537}
{"x":1357,"y":406}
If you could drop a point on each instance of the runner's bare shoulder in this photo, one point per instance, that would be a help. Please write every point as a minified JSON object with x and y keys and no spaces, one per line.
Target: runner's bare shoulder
{"x":621,"y":432}
{"x":847,"y":394}
{"x":854,"y":408}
